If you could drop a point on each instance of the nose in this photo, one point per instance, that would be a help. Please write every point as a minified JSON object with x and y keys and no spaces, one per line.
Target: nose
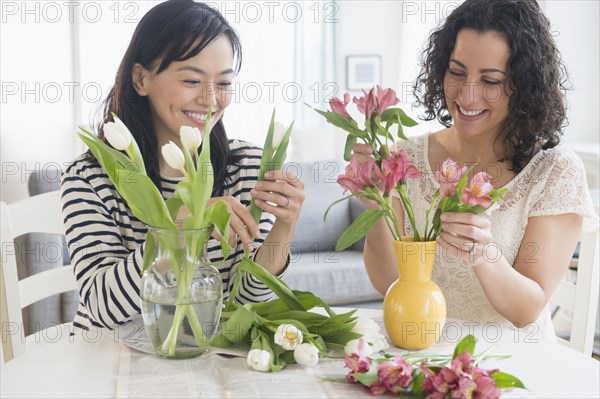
{"x":207,"y":95}
{"x":471,"y":92}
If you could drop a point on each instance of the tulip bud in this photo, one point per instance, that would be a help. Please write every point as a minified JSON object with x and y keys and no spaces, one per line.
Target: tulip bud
{"x":288,"y":336}
{"x":259,"y":359}
{"x":173,"y":156}
{"x":278,"y":133}
{"x":190,"y":137}
{"x":306,"y":354}
{"x":117,"y":135}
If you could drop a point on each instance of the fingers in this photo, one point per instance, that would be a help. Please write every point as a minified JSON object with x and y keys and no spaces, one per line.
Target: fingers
{"x":465,"y":235}
{"x":241,"y":223}
{"x":362,"y":152}
{"x":281,"y":194}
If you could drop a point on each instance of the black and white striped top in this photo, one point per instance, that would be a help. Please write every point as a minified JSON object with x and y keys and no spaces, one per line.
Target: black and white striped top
{"x":106,"y":247}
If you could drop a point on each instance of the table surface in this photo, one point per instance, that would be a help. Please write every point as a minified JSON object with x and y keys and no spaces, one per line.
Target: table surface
{"x":88,"y":366}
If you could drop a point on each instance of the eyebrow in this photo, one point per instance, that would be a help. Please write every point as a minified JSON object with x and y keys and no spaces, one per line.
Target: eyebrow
{"x":200,"y":71}
{"x":481,"y":70}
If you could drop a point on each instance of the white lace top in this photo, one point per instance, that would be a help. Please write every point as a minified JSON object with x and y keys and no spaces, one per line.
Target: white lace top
{"x":552,"y":183}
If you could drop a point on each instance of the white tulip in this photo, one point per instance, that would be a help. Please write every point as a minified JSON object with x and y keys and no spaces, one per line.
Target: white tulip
{"x":190,"y":137}
{"x":288,"y":336}
{"x":352,"y":347}
{"x":259,"y":359}
{"x":378,"y":343}
{"x":173,"y":156}
{"x":278,"y":133}
{"x":366,"y":326}
{"x":306,"y":354}
{"x":117,"y":135}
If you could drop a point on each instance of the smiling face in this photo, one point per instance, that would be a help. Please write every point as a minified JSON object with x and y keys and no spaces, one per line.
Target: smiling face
{"x":476,"y":84}
{"x":182,"y":93}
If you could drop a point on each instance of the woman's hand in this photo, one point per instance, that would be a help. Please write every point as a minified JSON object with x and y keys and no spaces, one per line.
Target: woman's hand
{"x":465,"y":236}
{"x":241,"y":222}
{"x":281,"y":194}
{"x":363,"y":153}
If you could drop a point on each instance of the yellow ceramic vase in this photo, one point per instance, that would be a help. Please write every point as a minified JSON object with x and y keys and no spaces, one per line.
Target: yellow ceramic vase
{"x":414,"y":308}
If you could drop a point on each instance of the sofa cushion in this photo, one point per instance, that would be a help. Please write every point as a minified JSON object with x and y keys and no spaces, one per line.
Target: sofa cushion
{"x":337,"y":277}
{"x":321,"y":189}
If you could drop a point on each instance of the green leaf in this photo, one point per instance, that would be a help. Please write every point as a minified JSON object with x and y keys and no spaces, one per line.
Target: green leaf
{"x":417,"y":382}
{"x":109,"y":158}
{"x":350,"y":141}
{"x":281,"y":151}
{"x":397,"y":114}
{"x":343,"y":123}
{"x":359,"y":228}
{"x":238,"y":327}
{"x":218,"y":215}
{"x":465,"y":344}
{"x":307,"y":299}
{"x":202,"y":185}
{"x":368,"y":378}
{"x":337,"y":202}
{"x":275,"y":284}
{"x":143,"y":198}
{"x":149,"y":252}
{"x":173,"y":205}
{"x":505,"y":380}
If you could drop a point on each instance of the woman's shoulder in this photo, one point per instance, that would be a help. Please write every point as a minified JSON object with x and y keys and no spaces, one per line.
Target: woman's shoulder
{"x":245,"y":152}
{"x":559,"y":158}
{"x":86,"y":168}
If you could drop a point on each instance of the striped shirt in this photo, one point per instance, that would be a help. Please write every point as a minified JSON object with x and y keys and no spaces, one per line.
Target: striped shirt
{"x":106,"y":241}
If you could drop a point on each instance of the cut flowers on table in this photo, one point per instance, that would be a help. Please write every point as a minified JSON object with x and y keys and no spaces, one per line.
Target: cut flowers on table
{"x":432,"y":376}
{"x":390,"y":169}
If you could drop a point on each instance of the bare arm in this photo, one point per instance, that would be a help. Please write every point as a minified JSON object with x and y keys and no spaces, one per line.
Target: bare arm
{"x":543,"y":257}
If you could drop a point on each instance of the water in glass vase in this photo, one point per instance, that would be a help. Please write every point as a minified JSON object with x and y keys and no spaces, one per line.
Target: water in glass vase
{"x":159,"y":320}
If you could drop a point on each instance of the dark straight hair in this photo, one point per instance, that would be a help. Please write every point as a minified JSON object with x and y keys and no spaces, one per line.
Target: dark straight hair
{"x":175,"y":30}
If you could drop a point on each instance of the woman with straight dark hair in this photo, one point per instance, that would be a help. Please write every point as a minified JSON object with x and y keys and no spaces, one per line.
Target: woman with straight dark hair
{"x":493,"y":76}
{"x":181,"y":60}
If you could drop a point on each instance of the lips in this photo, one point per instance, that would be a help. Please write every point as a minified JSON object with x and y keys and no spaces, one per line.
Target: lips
{"x":471,"y":113}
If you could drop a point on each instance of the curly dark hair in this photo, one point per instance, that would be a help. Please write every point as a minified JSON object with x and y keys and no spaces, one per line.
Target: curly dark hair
{"x":537,"y":76}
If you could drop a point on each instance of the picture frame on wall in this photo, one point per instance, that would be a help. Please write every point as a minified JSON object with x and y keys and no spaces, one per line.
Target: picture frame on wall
{"x":362,"y":71}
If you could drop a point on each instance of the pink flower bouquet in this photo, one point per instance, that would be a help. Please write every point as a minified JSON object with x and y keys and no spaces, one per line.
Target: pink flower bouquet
{"x":389,"y":170}
{"x":431,"y":376}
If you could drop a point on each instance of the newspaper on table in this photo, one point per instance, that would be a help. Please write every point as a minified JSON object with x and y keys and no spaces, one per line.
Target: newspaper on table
{"x":224,"y":373}
{"x":219,"y":373}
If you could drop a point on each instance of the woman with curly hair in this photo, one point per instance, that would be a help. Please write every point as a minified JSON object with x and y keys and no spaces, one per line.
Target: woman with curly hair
{"x":492,"y":75}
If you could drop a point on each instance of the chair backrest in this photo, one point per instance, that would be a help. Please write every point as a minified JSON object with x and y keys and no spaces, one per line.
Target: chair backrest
{"x":581,"y":298}
{"x":38,"y":214}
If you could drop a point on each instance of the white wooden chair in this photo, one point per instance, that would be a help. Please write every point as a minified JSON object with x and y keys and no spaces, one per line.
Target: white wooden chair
{"x":37,"y":214}
{"x":581,"y":298}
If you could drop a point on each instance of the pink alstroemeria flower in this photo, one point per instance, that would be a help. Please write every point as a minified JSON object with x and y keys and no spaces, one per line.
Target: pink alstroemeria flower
{"x":448,"y":176}
{"x":478,"y":191}
{"x":438,"y":385}
{"x":339,"y":107}
{"x":397,"y":169}
{"x":378,"y":388}
{"x":376,"y":101}
{"x":463,"y":363}
{"x":486,"y":386}
{"x":357,"y":363}
{"x":358,"y":177}
{"x":395,"y":373}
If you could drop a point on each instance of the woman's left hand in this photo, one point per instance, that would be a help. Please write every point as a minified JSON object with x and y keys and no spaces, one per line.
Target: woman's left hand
{"x":465,"y":236}
{"x":284,"y":192}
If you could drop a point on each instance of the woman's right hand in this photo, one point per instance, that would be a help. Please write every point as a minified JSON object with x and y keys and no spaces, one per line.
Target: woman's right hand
{"x":241,"y":222}
{"x":364,"y":152}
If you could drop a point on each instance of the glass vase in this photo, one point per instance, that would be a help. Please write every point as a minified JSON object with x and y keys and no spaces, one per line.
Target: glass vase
{"x":414,"y":307}
{"x":181,"y":294}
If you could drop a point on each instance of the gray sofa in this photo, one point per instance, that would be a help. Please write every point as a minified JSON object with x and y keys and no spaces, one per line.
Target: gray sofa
{"x":337,"y":277}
